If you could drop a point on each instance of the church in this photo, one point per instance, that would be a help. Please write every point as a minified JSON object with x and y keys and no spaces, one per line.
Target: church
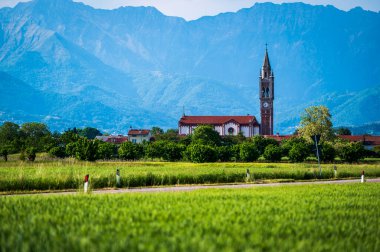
{"x":247,"y":125}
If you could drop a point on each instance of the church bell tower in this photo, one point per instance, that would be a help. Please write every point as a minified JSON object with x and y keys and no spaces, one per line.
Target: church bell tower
{"x":266,"y":92}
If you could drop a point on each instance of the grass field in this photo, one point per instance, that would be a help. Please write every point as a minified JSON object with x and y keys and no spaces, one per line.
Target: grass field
{"x":68,"y":174}
{"x":286,"y":218}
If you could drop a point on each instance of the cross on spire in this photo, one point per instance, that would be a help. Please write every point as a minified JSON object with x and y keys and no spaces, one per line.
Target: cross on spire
{"x":266,"y":46}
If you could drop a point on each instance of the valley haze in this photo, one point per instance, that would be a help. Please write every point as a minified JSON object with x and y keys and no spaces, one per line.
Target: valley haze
{"x":67,"y":64}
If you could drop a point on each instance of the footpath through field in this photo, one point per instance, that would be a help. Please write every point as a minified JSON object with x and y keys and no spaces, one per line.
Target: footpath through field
{"x":196,"y":187}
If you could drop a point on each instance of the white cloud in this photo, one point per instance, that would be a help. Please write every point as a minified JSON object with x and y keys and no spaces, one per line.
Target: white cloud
{"x":193,"y":9}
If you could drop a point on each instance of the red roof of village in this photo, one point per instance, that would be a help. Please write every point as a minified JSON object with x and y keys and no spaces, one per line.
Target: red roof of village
{"x":371,"y":140}
{"x":138,"y":132}
{"x":279,"y":138}
{"x":217,"y":119}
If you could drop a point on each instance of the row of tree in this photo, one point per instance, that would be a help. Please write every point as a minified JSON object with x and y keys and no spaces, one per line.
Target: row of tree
{"x":204,"y":145}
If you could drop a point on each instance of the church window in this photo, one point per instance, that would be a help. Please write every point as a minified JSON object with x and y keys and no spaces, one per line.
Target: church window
{"x":263,"y":95}
{"x":230,"y":130}
{"x":267,"y":92}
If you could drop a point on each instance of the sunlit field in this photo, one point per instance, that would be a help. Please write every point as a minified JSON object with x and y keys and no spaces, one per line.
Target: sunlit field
{"x":282,"y":218}
{"x":69,"y":173}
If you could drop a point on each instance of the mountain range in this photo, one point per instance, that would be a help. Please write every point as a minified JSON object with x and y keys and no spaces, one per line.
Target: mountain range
{"x":70,"y":65}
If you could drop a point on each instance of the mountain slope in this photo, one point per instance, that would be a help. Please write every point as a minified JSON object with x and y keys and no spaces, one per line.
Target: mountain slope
{"x":138,"y":64}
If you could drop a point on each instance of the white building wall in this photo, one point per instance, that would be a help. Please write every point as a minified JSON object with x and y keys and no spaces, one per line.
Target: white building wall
{"x":219,"y":129}
{"x":256,"y":131}
{"x":184,"y":130}
{"x":245,"y":131}
{"x":231,"y":125}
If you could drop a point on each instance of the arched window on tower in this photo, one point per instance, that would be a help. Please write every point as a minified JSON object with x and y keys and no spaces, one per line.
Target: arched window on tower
{"x":267,"y":92}
{"x":263,"y":92}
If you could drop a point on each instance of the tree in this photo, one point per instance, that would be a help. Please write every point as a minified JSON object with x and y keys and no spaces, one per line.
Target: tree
{"x":36,"y":135}
{"x":350,"y":152}
{"x":199,"y":153}
{"x":273,"y":153}
{"x":248,"y":152}
{"x":31,"y":153}
{"x":86,"y":149}
{"x":10,"y":137}
{"x":58,"y":152}
{"x":173,"y":151}
{"x":156,"y":131}
{"x":299,"y":152}
{"x":130,"y":151}
{"x":327,"y":152}
{"x":4,"y":153}
{"x":316,"y":120}
{"x":206,"y":135}
{"x":169,"y":135}
{"x":261,"y":143}
{"x":105,"y":150}
{"x":89,"y":132}
{"x":224,"y":153}
{"x":343,"y":131}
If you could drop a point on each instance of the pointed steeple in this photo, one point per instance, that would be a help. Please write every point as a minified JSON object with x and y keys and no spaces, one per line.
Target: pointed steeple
{"x":266,"y":63}
{"x":266,"y":70}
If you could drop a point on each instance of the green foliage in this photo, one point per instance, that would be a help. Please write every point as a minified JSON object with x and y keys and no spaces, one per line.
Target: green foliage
{"x":169,"y":135}
{"x":200,"y":153}
{"x":69,"y":136}
{"x":343,"y":131}
{"x":106,"y":151}
{"x":86,"y":149}
{"x":130,"y":151}
{"x":261,"y":143}
{"x":225,"y":153}
{"x":155,"y":149}
{"x":10,"y":137}
{"x":30,"y":153}
{"x":173,"y":151}
{"x":327,"y":152}
{"x":230,"y":140}
{"x":286,"y":218}
{"x":89,"y":132}
{"x":156,"y":131}
{"x":4,"y":153}
{"x":206,"y":135}
{"x":273,"y":153}
{"x":316,"y":120}
{"x":287,"y":144}
{"x":36,"y":135}
{"x":248,"y":152}
{"x":350,"y":151}
{"x":58,"y":152}
{"x":299,"y":152}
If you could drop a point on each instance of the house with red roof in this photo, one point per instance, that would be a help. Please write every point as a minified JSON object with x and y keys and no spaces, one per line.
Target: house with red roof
{"x":224,"y":125}
{"x":139,"y":135}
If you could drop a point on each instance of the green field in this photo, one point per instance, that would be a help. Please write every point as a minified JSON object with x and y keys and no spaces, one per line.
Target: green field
{"x":283,"y":218}
{"x":68,"y":174}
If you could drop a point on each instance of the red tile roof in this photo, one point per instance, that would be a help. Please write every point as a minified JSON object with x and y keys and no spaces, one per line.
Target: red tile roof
{"x":279,"y":138}
{"x":215,"y":120}
{"x":139,"y":132}
{"x":113,"y":139}
{"x":367,"y":140}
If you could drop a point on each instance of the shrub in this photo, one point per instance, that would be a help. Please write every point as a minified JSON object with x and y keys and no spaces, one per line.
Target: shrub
{"x":299,"y":152}
{"x":261,"y":143}
{"x":200,"y":153}
{"x":31,"y":153}
{"x":58,"y":152}
{"x":86,"y":149}
{"x":327,"y":152}
{"x":173,"y":151}
{"x":273,"y":153}
{"x":350,"y":152}
{"x":130,"y":151}
{"x":155,"y":149}
{"x":105,"y":150}
{"x":248,"y":152}
{"x":224,"y":153}
{"x":4,"y":153}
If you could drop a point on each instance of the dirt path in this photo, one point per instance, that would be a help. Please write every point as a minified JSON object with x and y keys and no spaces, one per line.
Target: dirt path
{"x":196,"y":187}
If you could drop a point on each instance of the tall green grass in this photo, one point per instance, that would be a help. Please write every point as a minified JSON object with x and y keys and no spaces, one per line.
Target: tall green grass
{"x":68,"y":174}
{"x":284,"y":218}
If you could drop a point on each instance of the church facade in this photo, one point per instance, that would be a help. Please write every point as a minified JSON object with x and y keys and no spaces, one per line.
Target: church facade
{"x":246,"y":125}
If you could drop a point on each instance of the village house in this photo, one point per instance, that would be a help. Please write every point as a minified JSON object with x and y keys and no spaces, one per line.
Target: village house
{"x":119,"y":139}
{"x":139,"y":135}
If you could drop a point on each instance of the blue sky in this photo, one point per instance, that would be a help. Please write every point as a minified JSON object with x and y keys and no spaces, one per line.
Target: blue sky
{"x":193,"y":9}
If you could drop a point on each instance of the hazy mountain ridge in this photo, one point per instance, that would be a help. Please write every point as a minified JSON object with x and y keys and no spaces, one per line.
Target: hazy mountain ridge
{"x":136,"y":66}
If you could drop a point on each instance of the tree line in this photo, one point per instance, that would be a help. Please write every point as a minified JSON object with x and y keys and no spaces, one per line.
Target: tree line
{"x":204,"y":145}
